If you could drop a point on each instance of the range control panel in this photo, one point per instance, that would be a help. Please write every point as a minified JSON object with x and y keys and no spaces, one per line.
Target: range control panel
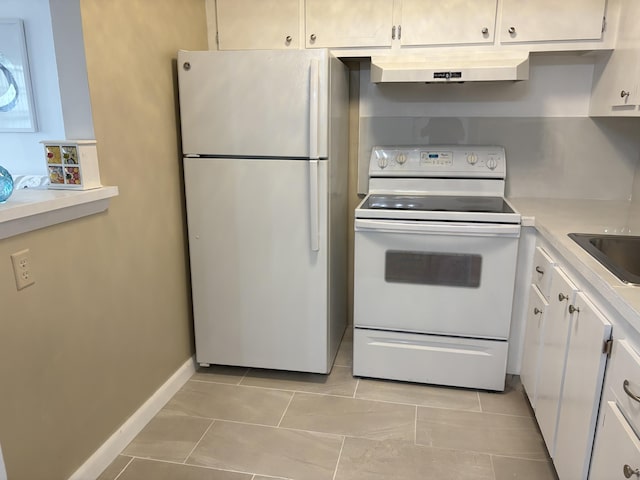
{"x":441,"y":161}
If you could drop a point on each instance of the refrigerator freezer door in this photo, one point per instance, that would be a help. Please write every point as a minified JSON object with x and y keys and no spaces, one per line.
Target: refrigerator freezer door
{"x":268,"y":103}
{"x":259,"y":287}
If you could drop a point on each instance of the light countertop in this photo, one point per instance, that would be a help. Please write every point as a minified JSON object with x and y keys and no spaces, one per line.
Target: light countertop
{"x":556,"y":218}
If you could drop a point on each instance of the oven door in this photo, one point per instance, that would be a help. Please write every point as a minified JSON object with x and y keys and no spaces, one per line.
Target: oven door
{"x":442,"y":278}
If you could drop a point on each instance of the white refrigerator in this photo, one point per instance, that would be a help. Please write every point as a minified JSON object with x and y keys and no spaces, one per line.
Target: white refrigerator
{"x":265,"y":145}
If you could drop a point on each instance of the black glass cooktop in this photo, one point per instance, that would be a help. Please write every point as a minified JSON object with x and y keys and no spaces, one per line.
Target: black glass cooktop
{"x":434,"y":203}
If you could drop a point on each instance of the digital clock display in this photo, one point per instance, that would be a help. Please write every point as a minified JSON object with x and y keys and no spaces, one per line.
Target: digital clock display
{"x":439,"y":159}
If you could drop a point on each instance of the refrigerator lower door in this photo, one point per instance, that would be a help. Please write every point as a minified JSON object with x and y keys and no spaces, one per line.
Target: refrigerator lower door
{"x":259,"y":277}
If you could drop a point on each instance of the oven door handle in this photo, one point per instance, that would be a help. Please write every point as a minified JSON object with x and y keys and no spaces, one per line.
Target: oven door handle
{"x":439,"y":228}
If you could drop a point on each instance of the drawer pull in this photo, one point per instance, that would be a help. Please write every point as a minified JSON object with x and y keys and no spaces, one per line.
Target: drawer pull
{"x":630,"y":472}
{"x":627,"y":390}
{"x":562,"y":297}
{"x":540,"y":271}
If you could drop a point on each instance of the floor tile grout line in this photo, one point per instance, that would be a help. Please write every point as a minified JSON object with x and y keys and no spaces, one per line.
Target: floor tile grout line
{"x":355,"y":391}
{"x":206,"y":467}
{"x":307,"y":392}
{"x":335,"y":471}
{"x":244,"y":376}
{"x":198,"y":442}
{"x":125,"y":467}
{"x":285,"y":410}
{"x":493,"y":469}
{"x":415,"y":427}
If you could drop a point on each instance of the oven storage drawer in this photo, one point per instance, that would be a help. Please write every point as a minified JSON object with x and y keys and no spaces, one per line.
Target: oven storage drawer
{"x":467,"y":362}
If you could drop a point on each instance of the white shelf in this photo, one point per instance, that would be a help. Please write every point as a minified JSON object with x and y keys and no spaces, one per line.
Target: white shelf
{"x":33,"y":208}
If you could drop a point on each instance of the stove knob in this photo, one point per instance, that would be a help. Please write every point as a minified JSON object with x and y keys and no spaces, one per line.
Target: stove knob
{"x":383,"y":162}
{"x":492,"y":163}
{"x":472,"y":158}
{"x":401,"y":158}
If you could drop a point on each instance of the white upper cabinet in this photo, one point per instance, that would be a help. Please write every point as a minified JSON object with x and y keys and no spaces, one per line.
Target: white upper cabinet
{"x":348,"y":23}
{"x":451,"y":22}
{"x":551,"y":20}
{"x":541,"y":25}
{"x":616,"y":81}
{"x":258,"y":24}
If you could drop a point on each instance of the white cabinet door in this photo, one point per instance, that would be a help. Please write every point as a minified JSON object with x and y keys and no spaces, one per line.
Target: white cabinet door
{"x":348,"y":23}
{"x":551,"y":20}
{"x":554,"y":345}
{"x":451,"y":22}
{"x":617,"y":448}
{"x":532,"y":353}
{"x":258,"y":24}
{"x":584,"y":372}
{"x":616,"y":82}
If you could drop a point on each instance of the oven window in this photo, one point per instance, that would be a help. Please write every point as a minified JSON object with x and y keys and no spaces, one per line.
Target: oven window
{"x":427,"y":268}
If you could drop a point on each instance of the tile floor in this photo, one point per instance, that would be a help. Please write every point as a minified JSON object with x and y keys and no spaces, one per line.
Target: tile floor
{"x":230,"y":423}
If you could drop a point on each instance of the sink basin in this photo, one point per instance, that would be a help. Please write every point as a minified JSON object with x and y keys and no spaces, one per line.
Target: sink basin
{"x":619,"y":253}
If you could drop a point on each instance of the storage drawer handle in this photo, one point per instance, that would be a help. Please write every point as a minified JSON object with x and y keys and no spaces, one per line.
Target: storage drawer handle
{"x":539,"y":270}
{"x":627,"y":390}
{"x":630,"y":471}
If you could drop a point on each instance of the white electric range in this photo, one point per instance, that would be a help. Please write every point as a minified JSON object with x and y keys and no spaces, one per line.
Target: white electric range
{"x":434,"y":270}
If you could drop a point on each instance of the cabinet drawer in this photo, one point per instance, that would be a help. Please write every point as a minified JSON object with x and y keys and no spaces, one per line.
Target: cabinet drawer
{"x":617,"y":451}
{"x":625,"y":369}
{"x":541,"y":274}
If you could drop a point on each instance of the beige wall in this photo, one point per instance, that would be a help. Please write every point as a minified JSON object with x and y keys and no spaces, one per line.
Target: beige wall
{"x":108,"y":320}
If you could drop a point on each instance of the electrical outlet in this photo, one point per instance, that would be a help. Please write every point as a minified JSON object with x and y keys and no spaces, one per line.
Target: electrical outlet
{"x":22,"y":269}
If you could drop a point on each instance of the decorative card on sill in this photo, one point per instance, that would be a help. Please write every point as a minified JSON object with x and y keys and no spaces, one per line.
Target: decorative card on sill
{"x":72,"y":164}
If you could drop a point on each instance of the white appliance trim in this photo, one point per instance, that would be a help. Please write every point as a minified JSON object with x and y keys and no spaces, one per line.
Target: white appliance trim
{"x":111,"y":448}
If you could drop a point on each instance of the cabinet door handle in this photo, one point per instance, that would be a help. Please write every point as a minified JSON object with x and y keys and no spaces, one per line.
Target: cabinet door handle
{"x":485,"y":31}
{"x":539,"y":270}
{"x":288,"y":39}
{"x":629,"y":471}
{"x":627,"y":390}
{"x":573,"y":309}
{"x":313,"y":37}
{"x":562,"y":297}
{"x":537,"y":311}
{"x":512,"y":30}
{"x":393,"y":33}
{"x":624,"y":93}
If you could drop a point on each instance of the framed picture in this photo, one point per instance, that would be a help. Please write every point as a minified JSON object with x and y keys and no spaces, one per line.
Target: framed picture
{"x":17,"y":113}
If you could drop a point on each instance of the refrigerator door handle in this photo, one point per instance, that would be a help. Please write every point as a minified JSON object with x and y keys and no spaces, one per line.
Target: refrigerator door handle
{"x":314,"y":205}
{"x":314,"y":107}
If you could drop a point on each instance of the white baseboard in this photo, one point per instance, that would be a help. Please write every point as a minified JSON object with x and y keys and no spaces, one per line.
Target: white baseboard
{"x":110,"y":449}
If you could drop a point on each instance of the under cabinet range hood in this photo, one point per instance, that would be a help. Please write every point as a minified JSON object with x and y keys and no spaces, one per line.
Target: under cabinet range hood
{"x":451,"y":68}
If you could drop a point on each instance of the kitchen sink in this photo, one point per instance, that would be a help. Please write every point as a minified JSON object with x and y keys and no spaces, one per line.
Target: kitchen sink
{"x":619,"y":253}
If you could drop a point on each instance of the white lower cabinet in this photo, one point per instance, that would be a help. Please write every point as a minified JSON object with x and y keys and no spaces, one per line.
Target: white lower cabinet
{"x":583,"y":375}
{"x":616,"y":452}
{"x":617,"y":455}
{"x":554,"y":351}
{"x":532,"y":351}
{"x":563,"y":369}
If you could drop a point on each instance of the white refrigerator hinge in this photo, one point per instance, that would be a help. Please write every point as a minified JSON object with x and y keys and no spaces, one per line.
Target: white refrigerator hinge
{"x":606,"y":347}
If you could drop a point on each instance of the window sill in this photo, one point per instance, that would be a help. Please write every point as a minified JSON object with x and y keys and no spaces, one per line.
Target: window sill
{"x":32,"y":208}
